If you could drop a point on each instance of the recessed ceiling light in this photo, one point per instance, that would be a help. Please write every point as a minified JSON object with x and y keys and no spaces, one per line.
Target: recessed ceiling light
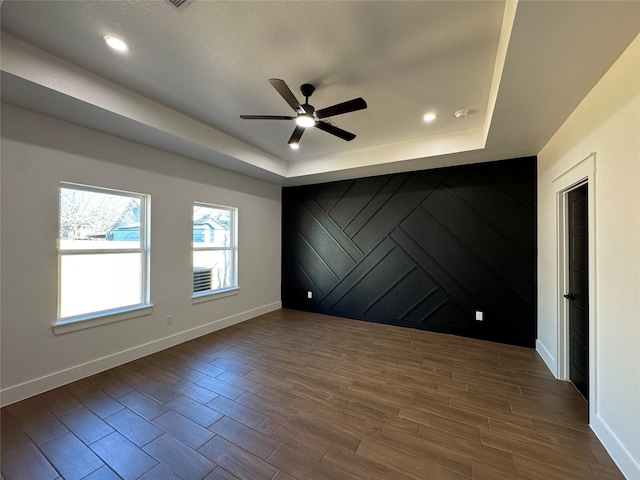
{"x":461,"y":113}
{"x":294,"y":146}
{"x":429,"y":117}
{"x":116,"y":43}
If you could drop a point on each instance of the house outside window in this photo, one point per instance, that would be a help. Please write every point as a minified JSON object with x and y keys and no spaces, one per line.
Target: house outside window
{"x":103,"y":252}
{"x":215,"y":250}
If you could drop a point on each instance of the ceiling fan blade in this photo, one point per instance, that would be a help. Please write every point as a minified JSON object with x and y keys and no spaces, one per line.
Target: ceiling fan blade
{"x":295,"y":136}
{"x":340,"y":108}
{"x":285,"y":92}
{"x":333,"y":130}
{"x":265,"y":117}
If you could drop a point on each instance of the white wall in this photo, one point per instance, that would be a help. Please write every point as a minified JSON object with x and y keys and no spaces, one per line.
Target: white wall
{"x":607,"y":122}
{"x":37,"y":152}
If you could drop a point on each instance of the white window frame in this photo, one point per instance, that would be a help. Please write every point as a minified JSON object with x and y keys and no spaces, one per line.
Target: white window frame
{"x":233,"y":289}
{"x":100,"y":317}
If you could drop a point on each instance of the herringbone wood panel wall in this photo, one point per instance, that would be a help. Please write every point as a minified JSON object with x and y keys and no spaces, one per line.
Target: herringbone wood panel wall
{"x":423,"y":249}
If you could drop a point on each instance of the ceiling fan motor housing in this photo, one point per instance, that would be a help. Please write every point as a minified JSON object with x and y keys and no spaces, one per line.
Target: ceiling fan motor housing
{"x":307,"y":89}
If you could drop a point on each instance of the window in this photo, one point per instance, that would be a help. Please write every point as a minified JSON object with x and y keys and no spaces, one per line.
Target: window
{"x":103,"y":252}
{"x":214,"y":249}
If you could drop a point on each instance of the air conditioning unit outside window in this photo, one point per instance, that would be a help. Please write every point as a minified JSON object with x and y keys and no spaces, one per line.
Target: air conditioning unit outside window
{"x":201,"y":279}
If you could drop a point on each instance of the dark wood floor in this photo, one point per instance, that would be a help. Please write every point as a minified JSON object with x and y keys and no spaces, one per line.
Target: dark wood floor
{"x":293,"y":395}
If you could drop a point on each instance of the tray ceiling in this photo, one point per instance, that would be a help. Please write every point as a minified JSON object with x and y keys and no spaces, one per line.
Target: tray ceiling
{"x":520,"y":69}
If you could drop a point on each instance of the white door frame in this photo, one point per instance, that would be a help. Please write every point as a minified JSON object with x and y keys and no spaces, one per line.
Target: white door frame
{"x":579,"y":174}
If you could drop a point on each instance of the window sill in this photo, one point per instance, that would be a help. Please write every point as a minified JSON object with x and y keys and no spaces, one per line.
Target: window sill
{"x":208,"y":296}
{"x":66,"y":326}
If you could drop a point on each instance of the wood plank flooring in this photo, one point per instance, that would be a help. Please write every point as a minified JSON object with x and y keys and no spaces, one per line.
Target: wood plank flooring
{"x":298,"y":396}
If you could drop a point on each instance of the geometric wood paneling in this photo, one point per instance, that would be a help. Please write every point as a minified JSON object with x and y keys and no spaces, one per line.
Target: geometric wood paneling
{"x":422,"y":249}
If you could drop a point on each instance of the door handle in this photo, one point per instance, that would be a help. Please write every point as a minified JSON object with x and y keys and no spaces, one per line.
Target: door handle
{"x":569,"y":296}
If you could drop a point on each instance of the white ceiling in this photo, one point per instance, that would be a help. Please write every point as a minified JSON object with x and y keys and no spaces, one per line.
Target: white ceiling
{"x":519,"y":68}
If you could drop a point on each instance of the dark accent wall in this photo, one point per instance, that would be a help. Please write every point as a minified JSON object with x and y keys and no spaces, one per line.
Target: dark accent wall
{"x":423,"y":249}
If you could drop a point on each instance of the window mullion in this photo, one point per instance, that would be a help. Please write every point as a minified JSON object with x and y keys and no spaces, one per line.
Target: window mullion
{"x":100,"y":251}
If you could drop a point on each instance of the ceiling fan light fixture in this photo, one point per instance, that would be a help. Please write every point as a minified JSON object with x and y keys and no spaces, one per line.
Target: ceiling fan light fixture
{"x":305,"y":120}
{"x":116,"y":43}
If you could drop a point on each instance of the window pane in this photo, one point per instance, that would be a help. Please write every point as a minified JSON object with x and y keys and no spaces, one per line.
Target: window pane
{"x":212,"y":270}
{"x":211,"y":226}
{"x":92,"y":283}
{"x":90,"y":220}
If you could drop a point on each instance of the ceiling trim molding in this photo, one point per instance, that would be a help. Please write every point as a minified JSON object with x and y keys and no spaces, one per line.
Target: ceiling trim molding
{"x":510,"y":8}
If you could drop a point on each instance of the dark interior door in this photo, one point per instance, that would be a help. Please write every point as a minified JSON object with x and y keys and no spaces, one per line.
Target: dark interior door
{"x":578,"y":295}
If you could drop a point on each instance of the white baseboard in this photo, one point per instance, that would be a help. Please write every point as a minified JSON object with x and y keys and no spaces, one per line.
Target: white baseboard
{"x":629,"y":466}
{"x":43,"y":384}
{"x":548,"y":359}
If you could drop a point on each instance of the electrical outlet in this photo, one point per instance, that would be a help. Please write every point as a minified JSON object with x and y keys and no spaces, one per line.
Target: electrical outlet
{"x":169,"y":320}
{"x":479,"y":316}
{"x":309,"y":294}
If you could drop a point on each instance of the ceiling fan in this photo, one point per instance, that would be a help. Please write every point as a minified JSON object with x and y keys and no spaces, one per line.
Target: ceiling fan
{"x":307,"y":116}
